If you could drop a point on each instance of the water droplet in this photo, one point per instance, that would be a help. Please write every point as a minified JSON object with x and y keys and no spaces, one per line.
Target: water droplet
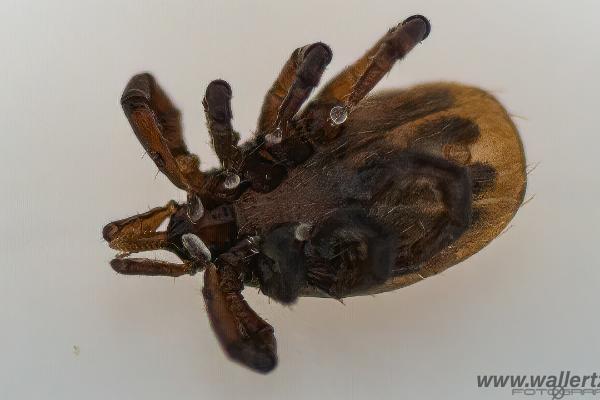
{"x":231,"y":181}
{"x":253,"y":243}
{"x":302,"y":232}
{"x":274,"y":137}
{"x":338,"y":114}
{"x":195,"y":209}
{"x":196,"y":247}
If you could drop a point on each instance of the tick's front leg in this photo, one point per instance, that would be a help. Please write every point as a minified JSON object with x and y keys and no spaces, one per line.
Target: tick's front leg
{"x":138,"y":233}
{"x":147,"y":267}
{"x":196,"y":253}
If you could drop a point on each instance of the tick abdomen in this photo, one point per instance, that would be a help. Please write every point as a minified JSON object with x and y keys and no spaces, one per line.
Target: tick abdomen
{"x":464,"y":128}
{"x":494,"y":158}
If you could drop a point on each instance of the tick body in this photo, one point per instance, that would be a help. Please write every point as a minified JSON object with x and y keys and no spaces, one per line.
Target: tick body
{"x":351,"y":195}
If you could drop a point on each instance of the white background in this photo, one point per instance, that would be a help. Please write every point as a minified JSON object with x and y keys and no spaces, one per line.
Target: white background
{"x":526,"y":304}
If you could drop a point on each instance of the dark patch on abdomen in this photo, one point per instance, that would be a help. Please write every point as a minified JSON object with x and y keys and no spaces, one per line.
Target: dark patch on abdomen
{"x":483,"y":176}
{"x":447,"y":130}
{"x":386,"y":111}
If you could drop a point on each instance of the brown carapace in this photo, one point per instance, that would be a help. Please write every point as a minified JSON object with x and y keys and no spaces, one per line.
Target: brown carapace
{"x":351,"y":195}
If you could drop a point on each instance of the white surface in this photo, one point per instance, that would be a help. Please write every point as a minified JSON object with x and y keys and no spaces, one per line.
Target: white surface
{"x":70,"y":163}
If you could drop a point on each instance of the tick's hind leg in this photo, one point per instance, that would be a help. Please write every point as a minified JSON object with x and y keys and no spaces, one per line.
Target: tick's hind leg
{"x":300,"y":74}
{"x":350,"y":86}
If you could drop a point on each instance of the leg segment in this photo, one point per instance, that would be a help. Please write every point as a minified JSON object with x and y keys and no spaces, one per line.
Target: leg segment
{"x":138,"y":233}
{"x":358,"y":79}
{"x":144,"y":266}
{"x":217,"y":108}
{"x":355,"y":81}
{"x":394,"y":47}
{"x":244,"y":336}
{"x":300,"y":74}
{"x":199,"y":256}
{"x":156,"y":123}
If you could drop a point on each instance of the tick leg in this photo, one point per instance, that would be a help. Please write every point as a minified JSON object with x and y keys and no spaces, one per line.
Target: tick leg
{"x":156,"y":123}
{"x":217,"y":108}
{"x":147,"y":267}
{"x":138,"y":233}
{"x":300,"y":74}
{"x":357,"y":80}
{"x":197,"y":257}
{"x":243,"y":335}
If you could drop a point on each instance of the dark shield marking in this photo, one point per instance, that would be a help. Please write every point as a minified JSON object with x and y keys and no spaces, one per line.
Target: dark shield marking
{"x":483,"y":176}
{"x":389,"y":110}
{"x":448,"y":130}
